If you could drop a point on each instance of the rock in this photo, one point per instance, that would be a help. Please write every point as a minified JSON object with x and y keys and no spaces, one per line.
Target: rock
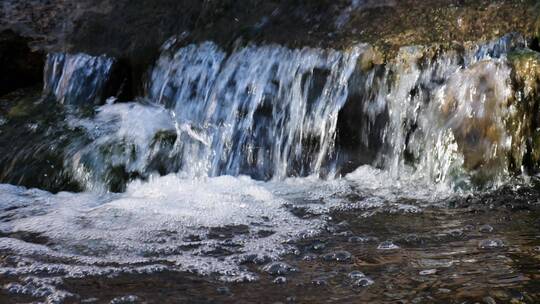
{"x":21,"y":67}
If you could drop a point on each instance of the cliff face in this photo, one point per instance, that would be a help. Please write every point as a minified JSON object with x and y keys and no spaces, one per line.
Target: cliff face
{"x":133,"y":30}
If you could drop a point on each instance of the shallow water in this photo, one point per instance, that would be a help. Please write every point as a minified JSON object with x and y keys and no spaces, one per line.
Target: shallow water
{"x":456,"y":249}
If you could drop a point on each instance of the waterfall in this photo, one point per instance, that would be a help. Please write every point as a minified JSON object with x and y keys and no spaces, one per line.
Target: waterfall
{"x":77,"y":79}
{"x":269,"y":112}
{"x":447,"y":111}
{"x":263,"y":111}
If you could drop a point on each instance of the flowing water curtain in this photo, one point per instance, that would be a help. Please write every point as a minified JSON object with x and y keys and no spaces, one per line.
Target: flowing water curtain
{"x":77,"y":79}
{"x":264,"y":111}
{"x":436,"y":100}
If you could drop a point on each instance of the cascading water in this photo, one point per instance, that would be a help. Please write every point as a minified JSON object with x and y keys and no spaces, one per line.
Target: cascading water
{"x":77,"y":79}
{"x":271,"y":112}
{"x":235,"y":158}
{"x":263,"y":111}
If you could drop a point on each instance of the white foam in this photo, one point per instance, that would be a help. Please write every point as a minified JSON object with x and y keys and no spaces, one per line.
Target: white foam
{"x":155,"y":222}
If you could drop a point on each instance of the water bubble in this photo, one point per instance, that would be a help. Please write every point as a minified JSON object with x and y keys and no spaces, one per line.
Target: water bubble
{"x":278,"y":268}
{"x":223,"y":290}
{"x":360,"y":239}
{"x":387,"y":245}
{"x":490,"y":244}
{"x":363,"y":282}
{"x":338,"y":256}
{"x":309,"y":257}
{"x":319,"y":282}
{"x":125,"y":299}
{"x":485,"y":229}
{"x":280,"y":280}
{"x":355,"y":275}
{"x":428,"y":272}
{"x":318,"y":246}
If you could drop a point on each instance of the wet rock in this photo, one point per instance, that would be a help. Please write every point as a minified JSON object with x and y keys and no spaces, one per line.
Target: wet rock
{"x":279,"y":268}
{"x":480,"y":88}
{"x":526,"y":69}
{"x":338,"y":256}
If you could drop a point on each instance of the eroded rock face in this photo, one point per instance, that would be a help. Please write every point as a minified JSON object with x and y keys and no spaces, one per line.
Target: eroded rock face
{"x":134,"y":30}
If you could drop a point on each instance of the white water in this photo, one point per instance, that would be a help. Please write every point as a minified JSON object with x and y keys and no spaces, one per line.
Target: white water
{"x":264,"y":111}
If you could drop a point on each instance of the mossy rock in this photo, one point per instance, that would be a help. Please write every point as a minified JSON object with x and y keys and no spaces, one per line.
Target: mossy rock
{"x":526,"y":69}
